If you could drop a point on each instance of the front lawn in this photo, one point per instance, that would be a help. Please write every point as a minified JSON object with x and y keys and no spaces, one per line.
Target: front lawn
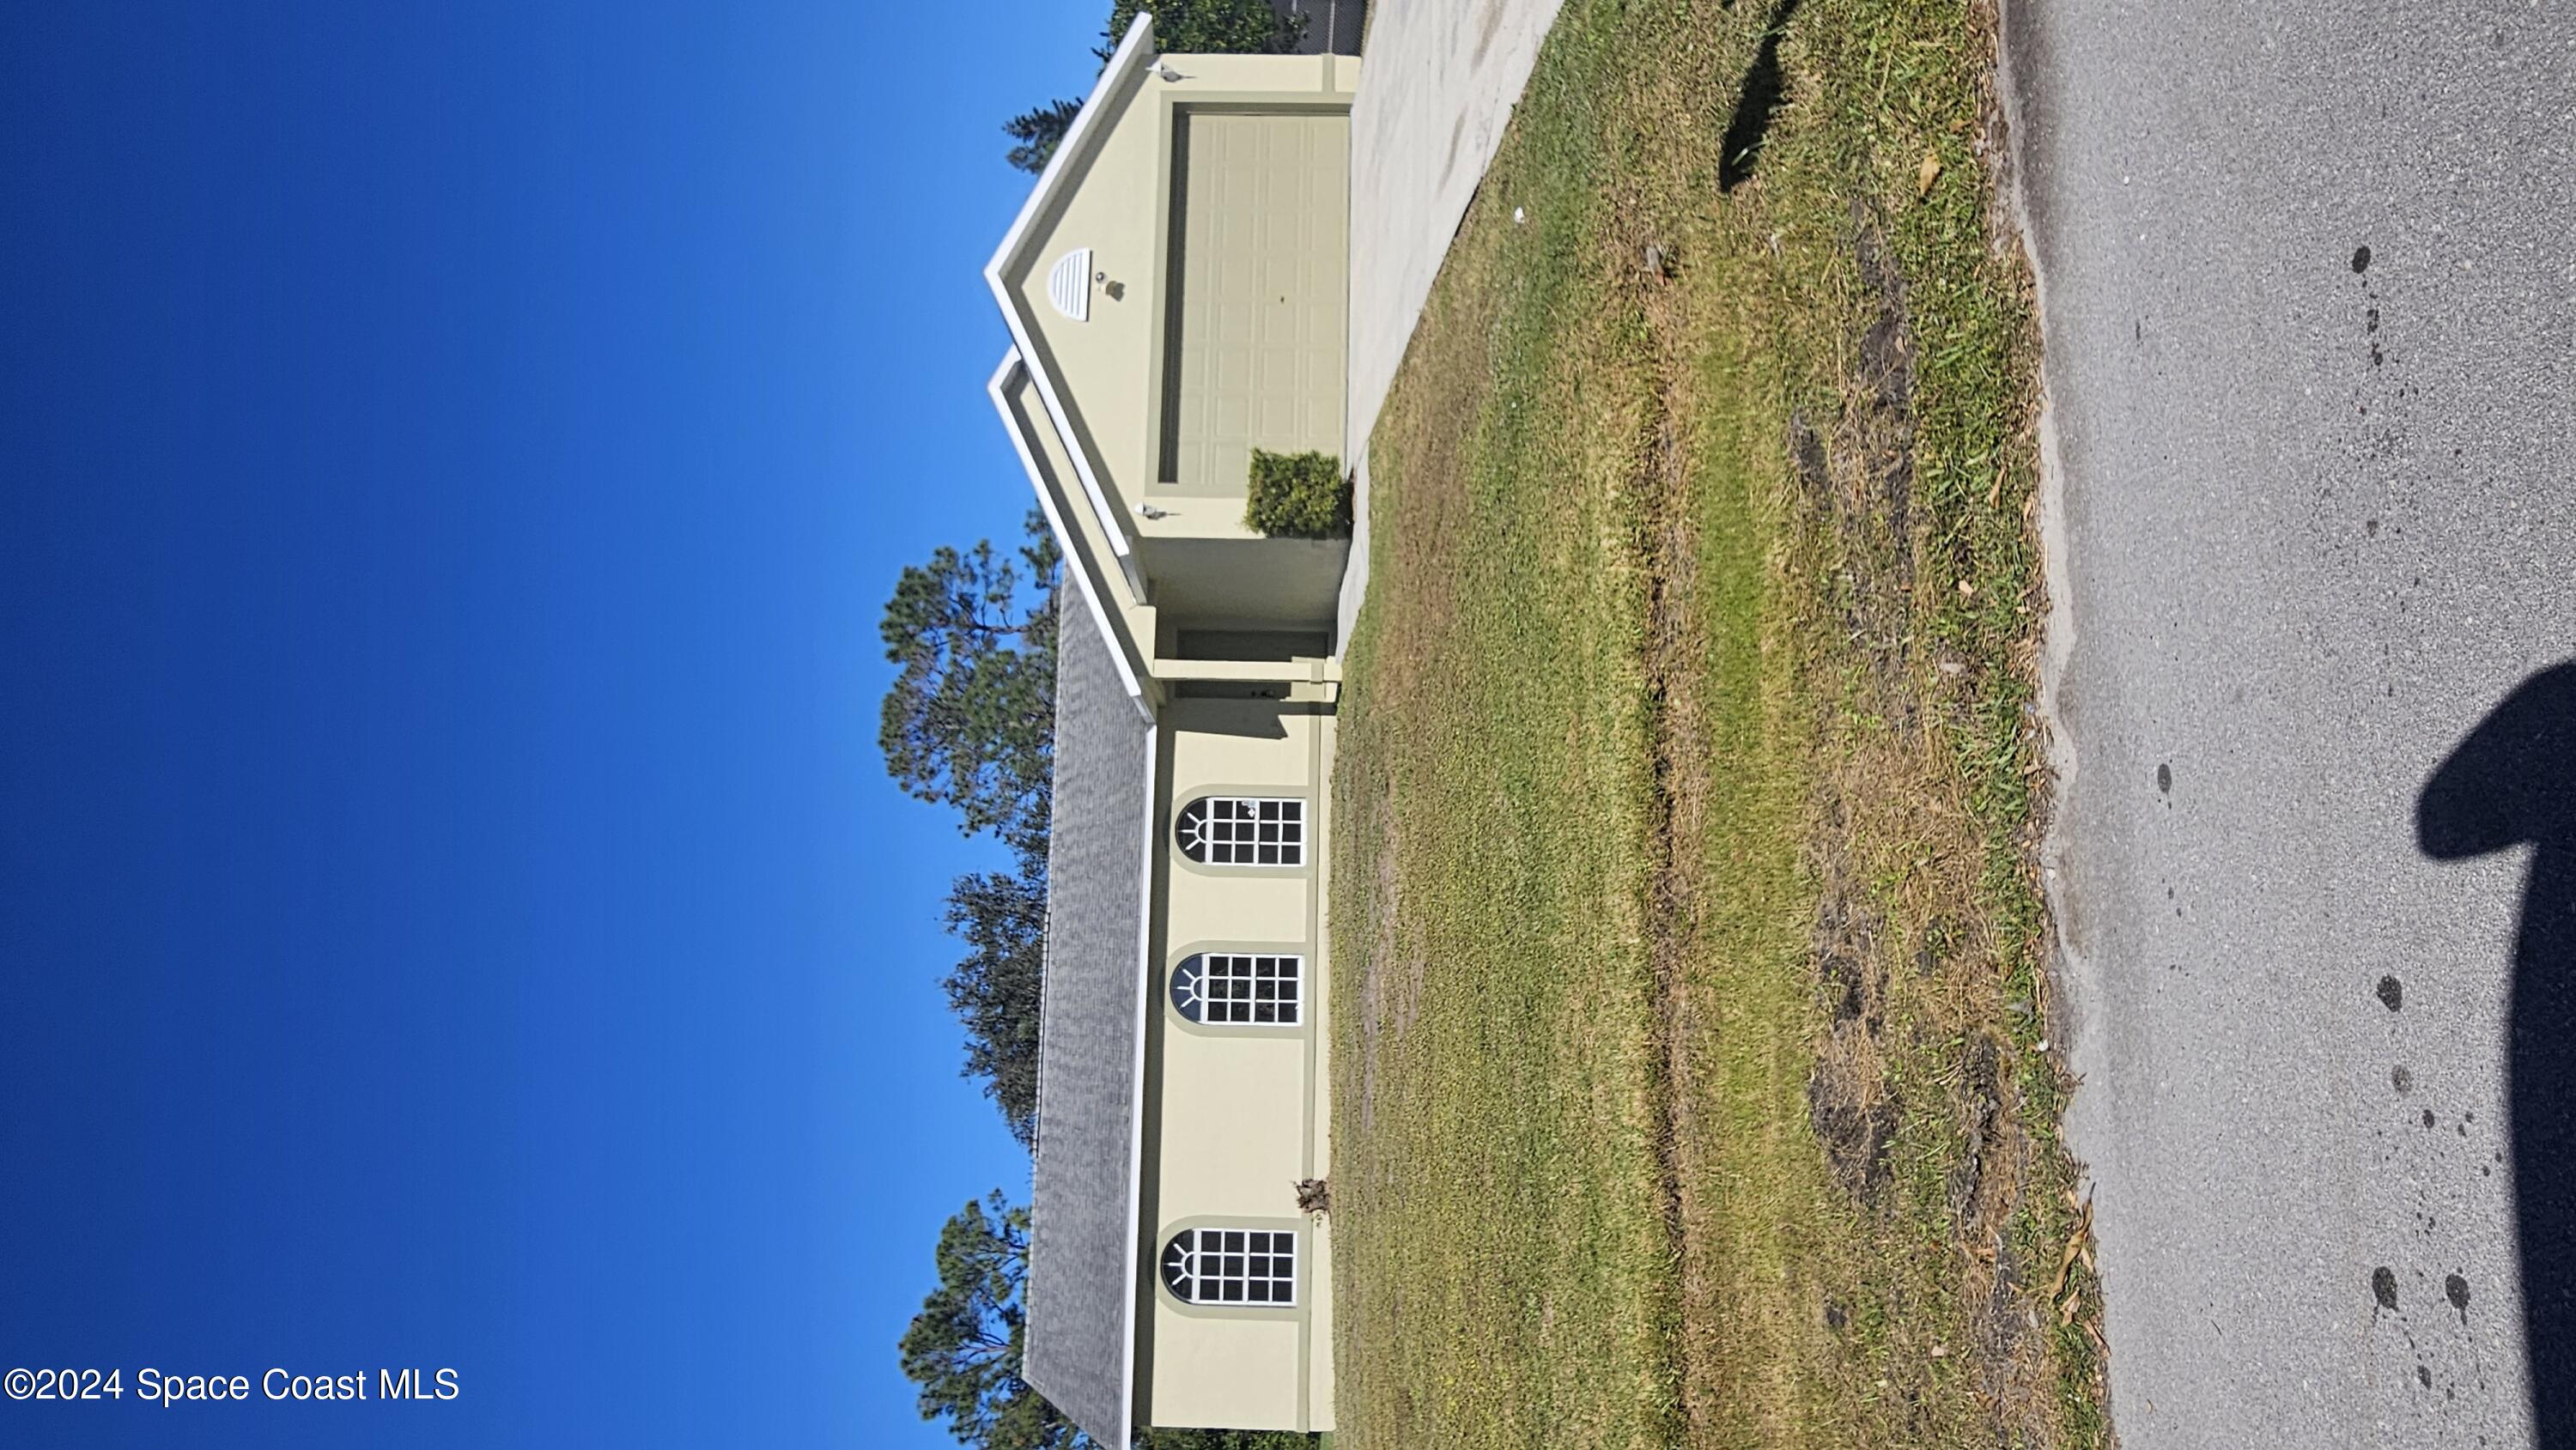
{"x":1688,"y":1074}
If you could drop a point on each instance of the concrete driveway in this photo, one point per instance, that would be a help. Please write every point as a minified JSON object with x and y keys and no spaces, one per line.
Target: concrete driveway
{"x":1438,"y":81}
{"x":2311,"y":367}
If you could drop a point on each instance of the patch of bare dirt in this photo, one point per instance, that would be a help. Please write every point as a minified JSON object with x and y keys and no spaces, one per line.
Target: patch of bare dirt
{"x":1901,"y":953}
{"x":1857,"y":475}
{"x":1387,"y":995}
{"x":1849,"y":1106}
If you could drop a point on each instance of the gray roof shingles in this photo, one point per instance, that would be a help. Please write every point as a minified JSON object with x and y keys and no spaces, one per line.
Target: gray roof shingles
{"x":1080,"y":1298}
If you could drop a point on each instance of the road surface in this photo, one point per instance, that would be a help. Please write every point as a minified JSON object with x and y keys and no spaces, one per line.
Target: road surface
{"x":2305,"y":282}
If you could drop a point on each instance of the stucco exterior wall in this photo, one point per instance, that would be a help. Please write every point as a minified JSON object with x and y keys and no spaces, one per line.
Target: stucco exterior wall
{"x":1238,"y":1114}
{"x":1110,"y":365}
{"x":1225,"y":1373}
{"x":1085,"y":543}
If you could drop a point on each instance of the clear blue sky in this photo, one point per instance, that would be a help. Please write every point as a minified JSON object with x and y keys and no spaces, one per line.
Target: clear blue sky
{"x":452,"y":907}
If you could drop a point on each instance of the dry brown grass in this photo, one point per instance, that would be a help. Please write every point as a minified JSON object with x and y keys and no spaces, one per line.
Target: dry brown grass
{"x":1686,"y":806}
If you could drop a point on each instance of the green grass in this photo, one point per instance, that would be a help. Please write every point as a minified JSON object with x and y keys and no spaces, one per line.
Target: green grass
{"x":1686,"y":1086}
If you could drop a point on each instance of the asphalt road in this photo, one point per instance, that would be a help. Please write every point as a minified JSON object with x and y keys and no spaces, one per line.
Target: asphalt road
{"x":2308,"y":286}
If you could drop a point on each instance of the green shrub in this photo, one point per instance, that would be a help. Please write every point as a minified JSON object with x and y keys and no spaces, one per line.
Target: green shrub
{"x":1154,"y":1439}
{"x":1298,"y":496}
{"x":1193,"y":27}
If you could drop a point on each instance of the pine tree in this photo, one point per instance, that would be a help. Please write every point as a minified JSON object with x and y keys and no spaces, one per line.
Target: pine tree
{"x":1039,"y":132}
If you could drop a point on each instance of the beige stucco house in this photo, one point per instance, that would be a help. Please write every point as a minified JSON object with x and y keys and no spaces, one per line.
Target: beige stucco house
{"x":1175,"y":295}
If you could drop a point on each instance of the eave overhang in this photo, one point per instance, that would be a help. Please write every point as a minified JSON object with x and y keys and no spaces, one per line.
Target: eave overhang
{"x":1133,"y":656}
{"x":1072,"y":155}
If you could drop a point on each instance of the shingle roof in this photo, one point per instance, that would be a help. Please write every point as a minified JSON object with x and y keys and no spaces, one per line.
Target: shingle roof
{"x":1081,"y":1290}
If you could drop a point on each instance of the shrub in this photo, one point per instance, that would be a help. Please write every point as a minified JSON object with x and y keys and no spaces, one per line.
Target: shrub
{"x":1193,"y":27}
{"x":1298,"y":496}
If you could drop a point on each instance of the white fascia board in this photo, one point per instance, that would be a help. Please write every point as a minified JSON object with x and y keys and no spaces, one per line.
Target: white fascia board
{"x":1134,"y":49}
{"x":1145,"y":999}
{"x":998,"y":389}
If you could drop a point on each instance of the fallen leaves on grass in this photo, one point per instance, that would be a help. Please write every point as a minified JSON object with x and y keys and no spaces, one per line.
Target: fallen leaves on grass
{"x":2077,"y":1246}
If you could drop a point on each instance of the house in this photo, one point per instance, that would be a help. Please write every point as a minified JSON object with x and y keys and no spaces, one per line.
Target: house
{"x":1175,"y":293}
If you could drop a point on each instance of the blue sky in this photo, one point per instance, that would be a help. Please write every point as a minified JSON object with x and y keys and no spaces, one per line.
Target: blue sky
{"x":452,"y":908}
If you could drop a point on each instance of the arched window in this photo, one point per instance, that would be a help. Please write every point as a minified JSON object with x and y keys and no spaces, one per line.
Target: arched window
{"x":1232,"y":1266}
{"x":1240,"y":989}
{"x":1229,"y":830}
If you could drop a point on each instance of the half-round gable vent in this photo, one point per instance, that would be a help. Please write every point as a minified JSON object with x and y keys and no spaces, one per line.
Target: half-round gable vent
{"x":1069,"y":285}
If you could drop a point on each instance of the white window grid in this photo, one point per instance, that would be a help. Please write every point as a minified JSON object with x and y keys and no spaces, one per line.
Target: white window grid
{"x":1227,"y":830}
{"x":1241,"y":989}
{"x":1253,"y":1266}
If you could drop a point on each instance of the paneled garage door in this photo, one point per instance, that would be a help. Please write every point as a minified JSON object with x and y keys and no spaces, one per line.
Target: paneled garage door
{"x":1261,"y":247}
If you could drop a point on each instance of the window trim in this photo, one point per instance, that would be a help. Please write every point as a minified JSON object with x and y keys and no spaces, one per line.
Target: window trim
{"x":1207,"y":800}
{"x":1292,"y":958}
{"x":1275,"y":1280}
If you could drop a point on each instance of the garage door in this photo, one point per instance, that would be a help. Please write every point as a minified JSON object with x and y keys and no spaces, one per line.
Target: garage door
{"x":1261,"y":245}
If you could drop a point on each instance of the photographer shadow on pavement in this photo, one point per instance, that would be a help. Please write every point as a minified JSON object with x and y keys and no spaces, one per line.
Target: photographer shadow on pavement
{"x":2512,"y":781}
